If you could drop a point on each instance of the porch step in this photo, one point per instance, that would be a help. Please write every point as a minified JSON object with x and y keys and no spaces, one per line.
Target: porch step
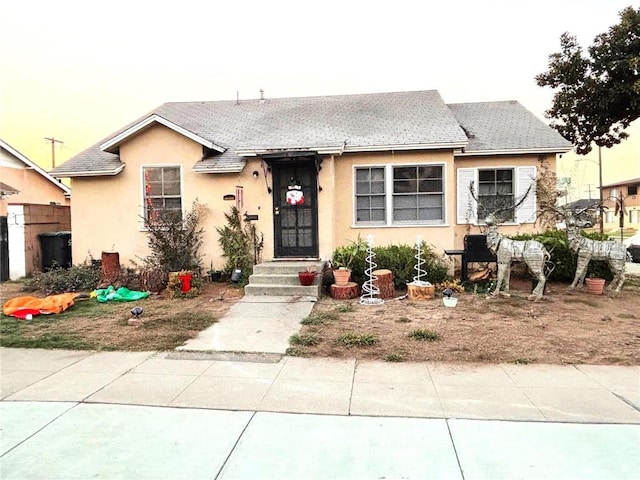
{"x":280,"y":278}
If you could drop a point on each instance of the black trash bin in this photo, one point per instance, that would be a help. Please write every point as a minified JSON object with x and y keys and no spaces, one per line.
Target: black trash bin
{"x":634,"y":251}
{"x":56,"y":249}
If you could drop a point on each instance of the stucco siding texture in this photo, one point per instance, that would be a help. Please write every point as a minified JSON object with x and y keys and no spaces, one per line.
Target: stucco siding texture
{"x":500,"y":126}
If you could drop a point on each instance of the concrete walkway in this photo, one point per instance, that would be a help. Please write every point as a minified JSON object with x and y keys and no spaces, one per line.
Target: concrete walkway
{"x":256,"y":324}
{"x":68,"y":414}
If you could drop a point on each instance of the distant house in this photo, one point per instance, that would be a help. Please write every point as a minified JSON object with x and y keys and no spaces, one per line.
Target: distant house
{"x":31,"y":202}
{"x":395,"y":165}
{"x":627,"y":191}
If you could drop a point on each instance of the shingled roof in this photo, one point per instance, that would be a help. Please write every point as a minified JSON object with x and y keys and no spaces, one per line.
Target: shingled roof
{"x":233,"y":130}
{"x":501,"y":127}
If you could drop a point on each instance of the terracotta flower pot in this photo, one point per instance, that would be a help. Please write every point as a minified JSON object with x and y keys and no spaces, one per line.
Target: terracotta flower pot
{"x":341,"y":276}
{"x":595,"y":286}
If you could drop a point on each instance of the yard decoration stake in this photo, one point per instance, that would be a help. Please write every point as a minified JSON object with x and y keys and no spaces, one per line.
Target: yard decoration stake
{"x":370,"y":292}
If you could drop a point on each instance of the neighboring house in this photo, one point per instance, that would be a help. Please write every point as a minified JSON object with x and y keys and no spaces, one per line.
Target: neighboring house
{"x":627,"y":191}
{"x":31,"y":202}
{"x":395,"y":165}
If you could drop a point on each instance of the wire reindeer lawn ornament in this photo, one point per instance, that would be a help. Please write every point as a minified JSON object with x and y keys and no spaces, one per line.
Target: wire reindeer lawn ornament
{"x":507,"y":251}
{"x":614,"y":253}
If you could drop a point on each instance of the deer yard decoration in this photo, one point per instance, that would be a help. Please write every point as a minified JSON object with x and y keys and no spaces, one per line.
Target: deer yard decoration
{"x":614,"y":253}
{"x":507,"y":251}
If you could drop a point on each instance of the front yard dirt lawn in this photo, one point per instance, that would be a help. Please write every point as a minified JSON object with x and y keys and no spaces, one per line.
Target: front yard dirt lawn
{"x":564,"y":328}
{"x":168,"y":322}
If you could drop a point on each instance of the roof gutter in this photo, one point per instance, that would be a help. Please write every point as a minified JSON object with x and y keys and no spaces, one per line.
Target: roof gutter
{"x":344,"y":148}
{"x":514,"y":151}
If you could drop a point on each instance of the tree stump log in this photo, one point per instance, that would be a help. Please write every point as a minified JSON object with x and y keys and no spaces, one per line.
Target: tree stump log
{"x":420,"y":292}
{"x":345,"y":292}
{"x":384,"y":282}
{"x":111,"y":269}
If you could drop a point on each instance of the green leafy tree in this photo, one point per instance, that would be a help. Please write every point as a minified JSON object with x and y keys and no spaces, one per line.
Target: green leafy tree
{"x":597,"y":93}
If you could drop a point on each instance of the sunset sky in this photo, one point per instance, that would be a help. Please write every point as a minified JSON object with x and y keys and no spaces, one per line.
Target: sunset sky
{"x":77,"y":71}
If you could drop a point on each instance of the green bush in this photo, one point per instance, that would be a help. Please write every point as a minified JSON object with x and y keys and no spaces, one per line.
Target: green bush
{"x":80,"y":278}
{"x":564,"y":260}
{"x":400,"y":260}
{"x":175,"y":240}
{"x":241,"y":245}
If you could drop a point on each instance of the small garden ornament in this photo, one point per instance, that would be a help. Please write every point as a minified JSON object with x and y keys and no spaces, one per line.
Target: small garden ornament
{"x":420,"y":289}
{"x":370,"y":292}
{"x":447,"y":299}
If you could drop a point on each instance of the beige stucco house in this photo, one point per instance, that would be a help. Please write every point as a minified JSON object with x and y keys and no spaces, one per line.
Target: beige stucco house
{"x":31,"y":202}
{"x":395,"y":165}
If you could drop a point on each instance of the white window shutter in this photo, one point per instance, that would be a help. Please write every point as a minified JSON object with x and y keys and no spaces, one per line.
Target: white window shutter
{"x":526,"y":176}
{"x":466,"y":205}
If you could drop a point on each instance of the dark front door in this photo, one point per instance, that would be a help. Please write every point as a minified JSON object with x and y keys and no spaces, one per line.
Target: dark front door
{"x":295,"y":209}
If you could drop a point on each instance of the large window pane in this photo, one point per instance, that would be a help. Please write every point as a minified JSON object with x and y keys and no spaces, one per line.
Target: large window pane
{"x":370,"y":195}
{"x":495,"y":193}
{"x":162,"y":191}
{"x":418,"y":194}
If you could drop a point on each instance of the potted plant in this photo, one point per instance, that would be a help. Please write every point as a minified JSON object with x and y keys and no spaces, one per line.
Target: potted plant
{"x":448,"y":299}
{"x":595,"y":285}
{"x":307,"y":276}
{"x":343,"y":258}
{"x":213,"y":274}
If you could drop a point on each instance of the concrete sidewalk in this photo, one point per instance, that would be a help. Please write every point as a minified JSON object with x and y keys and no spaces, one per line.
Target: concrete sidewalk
{"x":579,"y":393}
{"x":69,"y":414}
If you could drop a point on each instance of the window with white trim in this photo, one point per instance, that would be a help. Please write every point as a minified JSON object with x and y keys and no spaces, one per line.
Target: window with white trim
{"x":370,"y":195}
{"x":495,"y":192}
{"x":162,"y":192}
{"x":412,"y":194}
{"x":496,"y":188}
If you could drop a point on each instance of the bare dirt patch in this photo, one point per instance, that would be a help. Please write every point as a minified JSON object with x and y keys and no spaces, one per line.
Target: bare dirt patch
{"x":564,"y":328}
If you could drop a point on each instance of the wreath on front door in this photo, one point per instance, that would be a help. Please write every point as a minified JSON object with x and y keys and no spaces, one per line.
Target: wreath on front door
{"x":295,"y":195}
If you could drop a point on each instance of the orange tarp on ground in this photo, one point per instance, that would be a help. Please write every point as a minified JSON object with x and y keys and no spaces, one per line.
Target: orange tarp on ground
{"x":20,"y":306}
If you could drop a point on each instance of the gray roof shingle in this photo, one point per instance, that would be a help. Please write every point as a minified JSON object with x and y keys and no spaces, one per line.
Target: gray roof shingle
{"x":380,"y":121}
{"x":500,"y":126}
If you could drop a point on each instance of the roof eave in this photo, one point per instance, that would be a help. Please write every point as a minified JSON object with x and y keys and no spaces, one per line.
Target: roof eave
{"x":219,"y":168}
{"x":339,"y":150}
{"x":92,"y":173}
{"x":514,"y":151}
{"x":35,"y":166}
{"x":112,"y":145}
{"x":406,"y":146}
